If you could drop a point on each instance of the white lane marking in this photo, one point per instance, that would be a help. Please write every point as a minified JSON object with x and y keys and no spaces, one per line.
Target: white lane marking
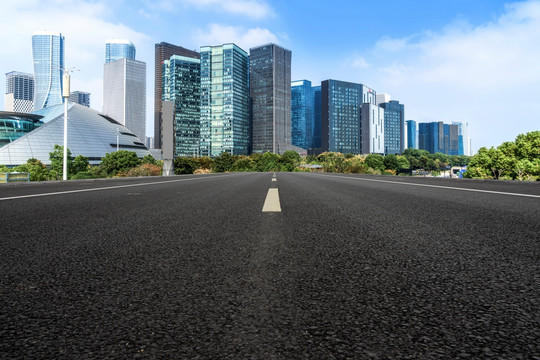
{"x":107,"y":188}
{"x":271,"y":204}
{"x":274,"y":179}
{"x":437,"y":186}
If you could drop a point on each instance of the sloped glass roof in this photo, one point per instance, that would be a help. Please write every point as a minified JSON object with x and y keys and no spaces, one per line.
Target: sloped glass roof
{"x":89,"y":134}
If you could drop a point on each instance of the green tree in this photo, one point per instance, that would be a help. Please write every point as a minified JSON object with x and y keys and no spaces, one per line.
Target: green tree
{"x":289,"y":160}
{"x":119,"y":161}
{"x":184,"y":165}
{"x":268,"y":162}
{"x":244,"y":163}
{"x":375,"y":161}
{"x":36,"y":169}
{"x":57,"y":161}
{"x":80,"y":164}
{"x":149,"y":159}
{"x":391,"y":162}
{"x":224,"y":162}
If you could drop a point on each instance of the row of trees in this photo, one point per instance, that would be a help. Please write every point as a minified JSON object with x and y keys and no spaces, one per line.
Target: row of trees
{"x":512,"y":160}
{"x":120,"y":163}
{"x":518,"y":160}
{"x":412,"y":159}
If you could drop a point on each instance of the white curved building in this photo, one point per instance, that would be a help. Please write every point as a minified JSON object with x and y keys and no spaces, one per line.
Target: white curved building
{"x":90,"y":134}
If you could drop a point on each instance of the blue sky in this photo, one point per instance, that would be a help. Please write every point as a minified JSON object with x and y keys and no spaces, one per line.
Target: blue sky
{"x":455,"y":60}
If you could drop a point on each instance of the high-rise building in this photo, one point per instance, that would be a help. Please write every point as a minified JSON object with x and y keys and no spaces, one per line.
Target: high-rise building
{"x":372,"y":129}
{"x":464,"y":140}
{"x":394,"y":127}
{"x":19,"y":95}
{"x":438,"y":137}
{"x":48,"y":55}
{"x":124,"y":94}
{"x":383,"y":98}
{"x":316,"y":117}
{"x":341,"y":115}
{"x":116,"y":49}
{"x":412,"y":134}
{"x":302,"y":116}
{"x":270,"y":93}
{"x":182,"y":86}
{"x":164,"y":51}
{"x":224,"y":100}
{"x":80,"y":97}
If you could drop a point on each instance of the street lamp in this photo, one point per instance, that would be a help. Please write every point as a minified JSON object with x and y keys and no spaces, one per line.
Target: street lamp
{"x":65,"y":95}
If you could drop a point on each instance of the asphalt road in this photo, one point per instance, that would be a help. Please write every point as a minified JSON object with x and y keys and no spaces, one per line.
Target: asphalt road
{"x":190,"y":267}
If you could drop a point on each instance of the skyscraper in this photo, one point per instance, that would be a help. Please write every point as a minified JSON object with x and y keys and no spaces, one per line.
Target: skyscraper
{"x":372,"y":129}
{"x":464,"y":140}
{"x":224,"y":100}
{"x":316,"y":117}
{"x":80,"y":97}
{"x":394,"y":127}
{"x":164,"y":51}
{"x":341,"y":115}
{"x":48,"y":55}
{"x":302,"y":116}
{"x":412,"y":134}
{"x":116,"y":49}
{"x":124,"y":94}
{"x":438,"y":137}
{"x":19,"y":95}
{"x":182,"y":86}
{"x":270,"y":93}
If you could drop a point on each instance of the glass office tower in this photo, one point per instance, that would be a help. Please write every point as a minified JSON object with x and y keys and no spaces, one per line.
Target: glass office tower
{"x":80,"y":97}
{"x":270,"y":93}
{"x":302,"y":117}
{"x":164,"y":51}
{"x":394,"y":127}
{"x":341,"y":115}
{"x":124,"y":94}
{"x":182,"y":86}
{"x":19,"y":95}
{"x":411,"y":134}
{"x":439,"y":137}
{"x":224,"y":100}
{"x":116,"y":49}
{"x":48,"y":55}
{"x":316,"y":117}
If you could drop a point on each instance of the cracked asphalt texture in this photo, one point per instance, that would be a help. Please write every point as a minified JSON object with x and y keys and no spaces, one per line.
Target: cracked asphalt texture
{"x":192,"y":269}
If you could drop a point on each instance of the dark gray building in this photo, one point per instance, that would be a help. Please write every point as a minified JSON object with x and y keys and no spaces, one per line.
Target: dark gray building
{"x":164,"y":51}
{"x":341,"y":115}
{"x":270,"y":94}
{"x":80,"y":97}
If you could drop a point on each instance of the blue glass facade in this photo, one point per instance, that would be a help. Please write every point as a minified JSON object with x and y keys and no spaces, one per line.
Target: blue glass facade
{"x":224,"y":100}
{"x":341,"y":115}
{"x":119,"y":49}
{"x":411,"y":134}
{"x":394,"y":127}
{"x":182,"y":85}
{"x":438,"y":137}
{"x":316,"y":117}
{"x":48,"y":55}
{"x":15,"y":125}
{"x":302,"y":117}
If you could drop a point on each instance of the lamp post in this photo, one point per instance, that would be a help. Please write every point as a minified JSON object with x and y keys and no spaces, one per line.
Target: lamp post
{"x":65,"y":95}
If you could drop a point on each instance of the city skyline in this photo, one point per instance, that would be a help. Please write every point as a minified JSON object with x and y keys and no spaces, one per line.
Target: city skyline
{"x":441,"y":61}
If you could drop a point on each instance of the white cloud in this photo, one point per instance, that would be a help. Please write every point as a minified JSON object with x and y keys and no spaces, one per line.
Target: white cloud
{"x":85,"y":30}
{"x":218,"y":34}
{"x":485,"y":75}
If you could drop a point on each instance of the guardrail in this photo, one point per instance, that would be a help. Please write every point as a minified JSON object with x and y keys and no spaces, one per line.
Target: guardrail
{"x":14,"y":177}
